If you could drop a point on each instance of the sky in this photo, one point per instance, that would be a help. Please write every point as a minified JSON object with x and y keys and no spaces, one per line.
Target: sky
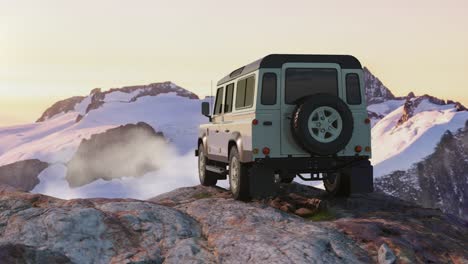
{"x":54,"y":49}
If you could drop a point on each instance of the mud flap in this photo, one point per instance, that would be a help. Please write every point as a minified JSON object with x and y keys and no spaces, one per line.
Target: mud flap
{"x":262,"y":182}
{"x":360,"y":177}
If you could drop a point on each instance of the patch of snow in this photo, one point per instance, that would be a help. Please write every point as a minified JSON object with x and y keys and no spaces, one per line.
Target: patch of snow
{"x":119,"y":96}
{"x":399,"y":147}
{"x":81,"y":107}
{"x":179,"y":171}
{"x":385,"y":107}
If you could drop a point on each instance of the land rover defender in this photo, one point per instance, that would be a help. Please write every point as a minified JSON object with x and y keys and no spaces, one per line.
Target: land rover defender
{"x":284,"y":116}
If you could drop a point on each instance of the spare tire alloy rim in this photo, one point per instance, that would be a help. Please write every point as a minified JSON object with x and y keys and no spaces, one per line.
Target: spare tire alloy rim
{"x":325,"y":124}
{"x":234,"y":173}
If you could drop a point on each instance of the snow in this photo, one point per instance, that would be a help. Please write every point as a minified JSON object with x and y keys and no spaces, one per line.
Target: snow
{"x":119,"y":96}
{"x":385,"y":107}
{"x":382,"y":109}
{"x":180,"y":171}
{"x":56,"y":140}
{"x":399,"y":147}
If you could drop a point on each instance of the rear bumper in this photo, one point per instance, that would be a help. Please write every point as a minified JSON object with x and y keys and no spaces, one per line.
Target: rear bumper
{"x":356,"y":170}
{"x":310,"y":164}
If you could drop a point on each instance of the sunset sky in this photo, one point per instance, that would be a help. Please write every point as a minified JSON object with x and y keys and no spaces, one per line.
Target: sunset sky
{"x":53,"y":49}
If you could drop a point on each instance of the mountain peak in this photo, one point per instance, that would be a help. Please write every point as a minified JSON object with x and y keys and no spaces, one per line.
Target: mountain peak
{"x":97,"y":98}
{"x":376,"y":91}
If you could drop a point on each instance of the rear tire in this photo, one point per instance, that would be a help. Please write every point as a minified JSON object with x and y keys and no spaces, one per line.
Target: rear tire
{"x":337,"y":184}
{"x":238,"y":176}
{"x":207,"y":178}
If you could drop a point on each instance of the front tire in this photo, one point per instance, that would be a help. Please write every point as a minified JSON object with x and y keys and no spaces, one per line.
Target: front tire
{"x":337,"y":184}
{"x":238,"y":176}
{"x":207,"y":178}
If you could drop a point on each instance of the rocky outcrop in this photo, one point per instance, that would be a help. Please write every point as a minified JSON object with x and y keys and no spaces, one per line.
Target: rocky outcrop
{"x":97,"y":100}
{"x":256,"y":232}
{"x":205,"y":225}
{"x":97,"y":96}
{"x":412,"y":103}
{"x":62,"y":106}
{"x":128,"y":150}
{"x":376,"y":91}
{"x":22,"y":174}
{"x":439,"y":181}
{"x":42,"y":229}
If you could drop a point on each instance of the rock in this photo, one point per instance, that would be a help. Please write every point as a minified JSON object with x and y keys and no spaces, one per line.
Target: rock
{"x":413,"y":102}
{"x":97,"y":96}
{"x":22,"y":174}
{"x":438,"y":181}
{"x":97,"y":158}
{"x":17,"y":253}
{"x":78,"y":118}
{"x":43,"y":229}
{"x":459,"y":107}
{"x":255,"y":233}
{"x":62,"y":106}
{"x":205,"y":225}
{"x":376,"y":91}
{"x":386,"y":255}
{"x":303,"y":212}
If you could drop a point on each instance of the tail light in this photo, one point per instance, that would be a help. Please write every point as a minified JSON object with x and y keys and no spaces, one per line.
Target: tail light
{"x":255,"y":122}
{"x":367,"y":120}
{"x":266,"y":150}
{"x":358,"y":149}
{"x":368,"y":149}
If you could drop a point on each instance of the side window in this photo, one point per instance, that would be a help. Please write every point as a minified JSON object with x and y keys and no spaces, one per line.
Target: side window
{"x":249,"y":91}
{"x":219,"y":101}
{"x":353,"y":89}
{"x":240,"y":95}
{"x":228,"y":101}
{"x":269,"y":89}
{"x":245,"y":92}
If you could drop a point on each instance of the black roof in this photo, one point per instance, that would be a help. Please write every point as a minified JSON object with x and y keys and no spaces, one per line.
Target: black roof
{"x":277,"y":61}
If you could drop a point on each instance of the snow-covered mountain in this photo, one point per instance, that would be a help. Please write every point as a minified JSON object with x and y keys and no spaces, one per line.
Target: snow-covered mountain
{"x":58,"y":134}
{"x":407,"y":135}
{"x":412,"y":156}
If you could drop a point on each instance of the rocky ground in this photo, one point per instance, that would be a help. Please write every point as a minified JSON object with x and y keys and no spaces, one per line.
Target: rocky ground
{"x":204,"y":225}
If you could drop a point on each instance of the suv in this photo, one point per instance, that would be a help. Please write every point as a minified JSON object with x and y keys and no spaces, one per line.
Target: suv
{"x":285,"y":116}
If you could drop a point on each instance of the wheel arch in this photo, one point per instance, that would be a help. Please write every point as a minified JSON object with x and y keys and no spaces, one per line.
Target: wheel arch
{"x":202,"y":141}
{"x":237,"y":140}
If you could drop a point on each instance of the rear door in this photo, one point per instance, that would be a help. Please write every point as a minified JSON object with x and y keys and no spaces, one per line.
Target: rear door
{"x":300,"y":80}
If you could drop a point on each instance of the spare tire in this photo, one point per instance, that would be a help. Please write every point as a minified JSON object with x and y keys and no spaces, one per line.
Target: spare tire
{"x":322,"y":124}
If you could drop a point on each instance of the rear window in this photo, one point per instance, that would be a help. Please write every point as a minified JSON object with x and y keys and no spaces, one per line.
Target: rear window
{"x":301,"y":82}
{"x":219,"y":101}
{"x":269,"y":89}
{"x":228,"y":101}
{"x":245,"y":92}
{"x":353,"y":89}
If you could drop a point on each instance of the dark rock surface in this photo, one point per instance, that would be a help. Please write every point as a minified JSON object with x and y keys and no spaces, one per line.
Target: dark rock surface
{"x":41,"y":229}
{"x":127,"y":150}
{"x":62,"y":106}
{"x":22,"y":174}
{"x":439,"y":181}
{"x":376,"y":91}
{"x":205,"y":225}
